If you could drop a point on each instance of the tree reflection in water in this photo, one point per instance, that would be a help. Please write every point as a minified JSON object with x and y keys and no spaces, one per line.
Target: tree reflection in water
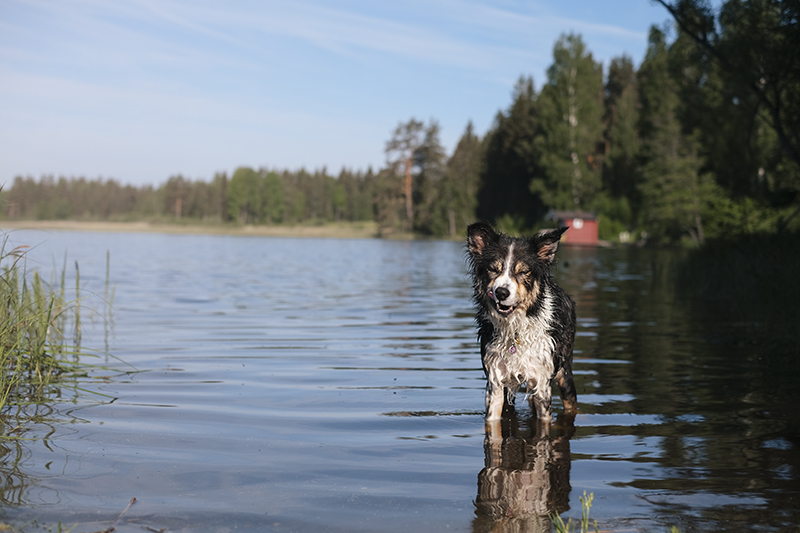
{"x":526,"y":475}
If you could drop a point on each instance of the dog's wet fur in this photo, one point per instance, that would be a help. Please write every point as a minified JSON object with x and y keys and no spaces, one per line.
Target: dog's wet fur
{"x":526,"y":322}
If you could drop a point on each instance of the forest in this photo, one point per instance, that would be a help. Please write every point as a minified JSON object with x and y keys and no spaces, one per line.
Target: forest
{"x":702,"y":141}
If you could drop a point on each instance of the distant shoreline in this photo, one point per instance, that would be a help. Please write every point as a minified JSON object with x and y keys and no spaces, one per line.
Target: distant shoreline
{"x":343,"y":230}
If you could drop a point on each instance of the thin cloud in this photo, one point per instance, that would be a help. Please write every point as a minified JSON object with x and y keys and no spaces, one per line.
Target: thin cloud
{"x":336,"y":30}
{"x":172,"y":85}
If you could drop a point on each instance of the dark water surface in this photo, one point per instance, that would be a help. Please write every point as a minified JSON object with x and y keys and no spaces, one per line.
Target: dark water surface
{"x":335,"y":385}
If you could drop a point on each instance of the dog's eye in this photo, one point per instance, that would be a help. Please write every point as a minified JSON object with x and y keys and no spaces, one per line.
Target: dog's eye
{"x":521,"y":269}
{"x":495,"y":268}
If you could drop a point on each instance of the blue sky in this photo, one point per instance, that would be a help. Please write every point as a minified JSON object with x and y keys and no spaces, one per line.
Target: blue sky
{"x":139,"y":90}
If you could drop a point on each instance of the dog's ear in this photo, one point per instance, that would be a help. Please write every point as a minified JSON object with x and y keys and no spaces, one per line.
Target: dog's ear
{"x":479,"y":235}
{"x":546,"y":244}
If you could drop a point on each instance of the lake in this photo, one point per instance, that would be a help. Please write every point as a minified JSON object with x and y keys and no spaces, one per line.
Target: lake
{"x":335,"y":385}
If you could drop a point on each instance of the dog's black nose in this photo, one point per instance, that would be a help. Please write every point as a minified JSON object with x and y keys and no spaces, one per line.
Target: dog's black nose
{"x":501,"y":293}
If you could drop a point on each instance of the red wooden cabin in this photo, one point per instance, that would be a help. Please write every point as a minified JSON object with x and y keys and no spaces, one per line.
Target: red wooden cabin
{"x":582,"y":226}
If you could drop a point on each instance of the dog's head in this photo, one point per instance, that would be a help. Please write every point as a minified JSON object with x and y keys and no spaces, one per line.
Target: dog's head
{"x":508,"y":272}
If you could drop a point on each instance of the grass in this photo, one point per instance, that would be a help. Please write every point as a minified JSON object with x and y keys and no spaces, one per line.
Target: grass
{"x":40,"y":335}
{"x":586,"y":504}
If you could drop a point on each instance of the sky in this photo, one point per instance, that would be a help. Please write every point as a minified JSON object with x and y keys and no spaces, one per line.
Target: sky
{"x":141,"y":90}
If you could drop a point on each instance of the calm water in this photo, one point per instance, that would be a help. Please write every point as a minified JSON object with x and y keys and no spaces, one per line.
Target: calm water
{"x":335,"y":385}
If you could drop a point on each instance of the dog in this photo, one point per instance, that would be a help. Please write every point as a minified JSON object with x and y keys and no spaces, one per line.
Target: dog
{"x":526,"y":322}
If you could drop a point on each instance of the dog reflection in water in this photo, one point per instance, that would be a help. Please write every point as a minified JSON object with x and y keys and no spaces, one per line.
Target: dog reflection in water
{"x":526,"y":476}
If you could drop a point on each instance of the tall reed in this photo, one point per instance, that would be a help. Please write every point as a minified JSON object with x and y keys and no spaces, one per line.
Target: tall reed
{"x":34,"y":351}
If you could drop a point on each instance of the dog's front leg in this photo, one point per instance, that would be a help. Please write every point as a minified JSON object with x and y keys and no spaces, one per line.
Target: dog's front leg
{"x":567,"y":386}
{"x":541,"y":404}
{"x":495,"y":396}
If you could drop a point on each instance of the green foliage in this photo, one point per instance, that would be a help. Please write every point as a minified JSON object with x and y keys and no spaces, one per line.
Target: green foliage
{"x":586,"y":505}
{"x":272,"y":198}
{"x":76,"y":199}
{"x":622,"y":144}
{"x":403,"y":154}
{"x":703,"y":141}
{"x":743,"y":79}
{"x":512,"y":224}
{"x":358,"y":190}
{"x":35,"y":351}
{"x":339,"y":200}
{"x":458,"y":195}
{"x":674,"y":192}
{"x":389,"y":202}
{"x":415,"y":191}
{"x":510,"y":161}
{"x":615,"y":216}
{"x":571,"y":107}
{"x":433,"y":189}
{"x":244,"y":196}
{"x":174,"y":192}
{"x":299,"y":206}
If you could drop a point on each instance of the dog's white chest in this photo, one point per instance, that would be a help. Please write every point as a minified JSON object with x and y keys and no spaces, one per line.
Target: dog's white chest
{"x":522,"y":349}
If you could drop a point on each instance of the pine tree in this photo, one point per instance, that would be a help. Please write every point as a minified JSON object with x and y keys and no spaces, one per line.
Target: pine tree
{"x":674,"y":193}
{"x":460,"y":185}
{"x":622,"y":136}
{"x":510,"y":162}
{"x":400,"y":151}
{"x":388,"y":201}
{"x":753,"y":44}
{"x":364,"y":205}
{"x":618,"y":201}
{"x":571,"y":140}
{"x":430,"y":160}
{"x":272,"y":198}
{"x":219,"y":196}
{"x":175,"y":194}
{"x":244,"y":196}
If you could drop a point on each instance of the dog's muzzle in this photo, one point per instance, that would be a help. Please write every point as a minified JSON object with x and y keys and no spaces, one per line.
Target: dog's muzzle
{"x":500,"y":295}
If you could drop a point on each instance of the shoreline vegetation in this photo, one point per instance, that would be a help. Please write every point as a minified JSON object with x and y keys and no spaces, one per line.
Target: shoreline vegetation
{"x":696,"y":144}
{"x":338,"y":230}
{"x":41,"y":353}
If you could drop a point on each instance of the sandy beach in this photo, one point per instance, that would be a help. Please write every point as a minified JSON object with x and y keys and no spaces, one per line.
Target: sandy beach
{"x":357,"y":230}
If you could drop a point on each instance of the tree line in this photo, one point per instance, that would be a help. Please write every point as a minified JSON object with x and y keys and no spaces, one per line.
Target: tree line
{"x":701,"y":141}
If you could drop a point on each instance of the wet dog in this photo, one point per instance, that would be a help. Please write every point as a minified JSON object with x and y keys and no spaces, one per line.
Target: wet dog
{"x":526,"y":322}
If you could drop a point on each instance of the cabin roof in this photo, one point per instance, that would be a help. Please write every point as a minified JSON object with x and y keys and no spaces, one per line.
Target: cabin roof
{"x":567,"y":215}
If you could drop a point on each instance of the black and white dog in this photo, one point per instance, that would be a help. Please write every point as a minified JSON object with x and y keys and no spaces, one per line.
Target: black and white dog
{"x":526,"y":322}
